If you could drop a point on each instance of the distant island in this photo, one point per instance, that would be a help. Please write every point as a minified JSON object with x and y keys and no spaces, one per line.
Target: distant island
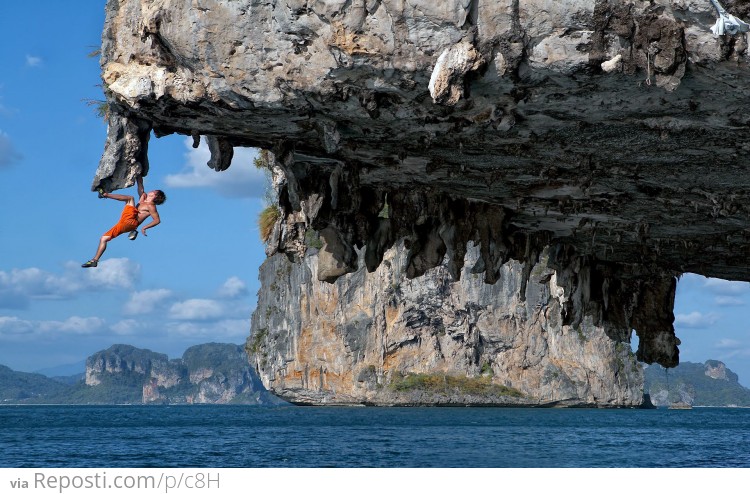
{"x":219,"y":373}
{"x":211,"y":373}
{"x":707,"y":384}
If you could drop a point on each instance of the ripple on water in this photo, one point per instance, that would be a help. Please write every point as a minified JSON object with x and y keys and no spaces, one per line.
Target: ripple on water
{"x":229,"y":436}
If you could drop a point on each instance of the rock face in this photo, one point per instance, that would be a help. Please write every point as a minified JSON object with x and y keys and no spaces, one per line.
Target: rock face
{"x":126,"y":360}
{"x":210,"y":373}
{"x":380,"y":338}
{"x":611,"y":133}
{"x":707,"y":384}
{"x":718,"y":370}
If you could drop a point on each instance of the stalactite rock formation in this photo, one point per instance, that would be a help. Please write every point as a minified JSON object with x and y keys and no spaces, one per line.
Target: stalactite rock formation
{"x":613,"y":133}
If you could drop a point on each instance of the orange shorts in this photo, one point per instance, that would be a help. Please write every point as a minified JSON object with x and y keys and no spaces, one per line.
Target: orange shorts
{"x":128,"y":222}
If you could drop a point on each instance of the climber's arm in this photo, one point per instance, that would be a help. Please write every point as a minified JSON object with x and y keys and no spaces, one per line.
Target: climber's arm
{"x":155,"y":220}
{"x":141,"y":191}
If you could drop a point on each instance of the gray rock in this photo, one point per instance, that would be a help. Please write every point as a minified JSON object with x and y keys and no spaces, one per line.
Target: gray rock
{"x":215,"y":373}
{"x":369,"y":338}
{"x":336,"y":257}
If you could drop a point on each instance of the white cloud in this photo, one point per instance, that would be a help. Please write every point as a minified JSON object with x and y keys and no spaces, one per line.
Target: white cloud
{"x":128,"y":327}
{"x":196,"y":309}
{"x":729,"y":349}
{"x":146,"y":301}
{"x":33,"y":61}
{"x":216,"y":331}
{"x":233,"y":288}
{"x":726,"y":300}
{"x":118,"y":272}
{"x":19,"y":286}
{"x":8,"y":153}
{"x":241,"y":179}
{"x":725,"y":287}
{"x":73,"y":325}
{"x":696,"y":319}
{"x":728,"y":344}
{"x":13,"y":327}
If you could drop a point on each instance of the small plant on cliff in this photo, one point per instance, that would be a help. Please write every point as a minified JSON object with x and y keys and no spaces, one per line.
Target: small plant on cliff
{"x":312,"y":239}
{"x":264,"y":162}
{"x":257,"y":340}
{"x":581,"y":335}
{"x":101,"y":108}
{"x":263,"y":159}
{"x":271,"y":214}
{"x":386,"y":211}
{"x":487,"y":369}
{"x":266,"y":220}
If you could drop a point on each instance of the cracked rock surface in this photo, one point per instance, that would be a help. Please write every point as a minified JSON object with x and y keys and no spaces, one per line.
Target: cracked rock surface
{"x":352,"y":341}
{"x":611,"y":133}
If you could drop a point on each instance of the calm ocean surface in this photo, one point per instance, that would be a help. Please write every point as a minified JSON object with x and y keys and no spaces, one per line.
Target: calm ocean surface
{"x":237,"y":436}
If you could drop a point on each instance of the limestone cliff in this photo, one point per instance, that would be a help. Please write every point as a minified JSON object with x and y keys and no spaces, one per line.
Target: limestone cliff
{"x":708,"y":384}
{"x":380,"y":338}
{"x":612,"y":134}
{"x":210,"y":373}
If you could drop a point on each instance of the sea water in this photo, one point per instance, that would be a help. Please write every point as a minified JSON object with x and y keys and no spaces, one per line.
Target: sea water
{"x":245,"y":436}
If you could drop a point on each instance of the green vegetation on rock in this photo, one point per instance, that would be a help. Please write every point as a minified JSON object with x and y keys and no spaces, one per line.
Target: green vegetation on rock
{"x":447,"y":384}
{"x":313,"y":240}
{"x":219,"y":357}
{"x":266,"y":220}
{"x":258,"y":338}
{"x":20,"y":386}
{"x":115,"y":389}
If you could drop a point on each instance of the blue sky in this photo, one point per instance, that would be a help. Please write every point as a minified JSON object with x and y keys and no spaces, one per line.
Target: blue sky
{"x":194,"y":278}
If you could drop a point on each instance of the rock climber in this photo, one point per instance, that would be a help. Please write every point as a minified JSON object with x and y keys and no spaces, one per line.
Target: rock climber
{"x":132,"y":217}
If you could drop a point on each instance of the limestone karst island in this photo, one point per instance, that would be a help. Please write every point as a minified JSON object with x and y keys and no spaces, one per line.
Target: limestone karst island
{"x":478,"y":202}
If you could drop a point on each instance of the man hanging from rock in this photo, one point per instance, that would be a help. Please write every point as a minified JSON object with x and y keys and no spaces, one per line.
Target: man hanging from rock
{"x":132,"y":216}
